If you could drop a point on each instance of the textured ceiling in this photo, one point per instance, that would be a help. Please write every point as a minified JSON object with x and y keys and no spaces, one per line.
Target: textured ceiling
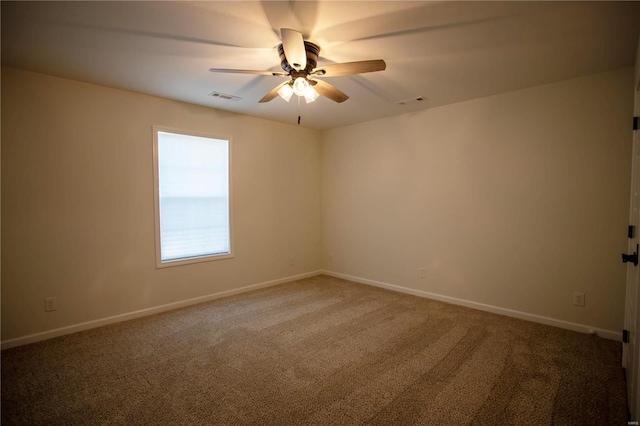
{"x":446,"y":52}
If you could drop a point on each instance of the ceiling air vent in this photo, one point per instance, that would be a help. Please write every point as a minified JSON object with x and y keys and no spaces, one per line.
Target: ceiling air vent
{"x":412,"y":100}
{"x":224,"y":96}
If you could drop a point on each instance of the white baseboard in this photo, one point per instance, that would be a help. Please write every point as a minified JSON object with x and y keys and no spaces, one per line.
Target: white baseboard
{"x":19,"y":341}
{"x":608,"y":334}
{"x":31,"y":338}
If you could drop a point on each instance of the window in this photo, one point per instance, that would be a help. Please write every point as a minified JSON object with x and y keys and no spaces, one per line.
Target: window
{"x":192,"y":197}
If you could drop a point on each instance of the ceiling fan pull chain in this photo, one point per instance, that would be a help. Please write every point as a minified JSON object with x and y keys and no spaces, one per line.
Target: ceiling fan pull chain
{"x":298,"y":109}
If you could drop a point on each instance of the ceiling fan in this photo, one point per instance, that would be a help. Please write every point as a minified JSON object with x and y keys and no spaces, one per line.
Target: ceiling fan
{"x":299,"y":61}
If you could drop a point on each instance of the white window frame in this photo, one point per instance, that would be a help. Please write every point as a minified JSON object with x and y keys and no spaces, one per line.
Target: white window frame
{"x":156,"y":196}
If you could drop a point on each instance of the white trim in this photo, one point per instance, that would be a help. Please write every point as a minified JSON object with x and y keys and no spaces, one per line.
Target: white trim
{"x":31,"y":338}
{"x":608,"y":334}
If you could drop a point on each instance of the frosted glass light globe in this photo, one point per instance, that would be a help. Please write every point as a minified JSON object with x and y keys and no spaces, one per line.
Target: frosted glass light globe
{"x":285,"y":92}
{"x":299,"y":86}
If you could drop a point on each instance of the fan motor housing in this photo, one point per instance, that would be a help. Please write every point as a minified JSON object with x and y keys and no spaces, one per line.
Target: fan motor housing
{"x":313,"y":51}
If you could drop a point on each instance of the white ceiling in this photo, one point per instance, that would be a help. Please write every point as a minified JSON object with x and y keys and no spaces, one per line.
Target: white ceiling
{"x":444,"y":51}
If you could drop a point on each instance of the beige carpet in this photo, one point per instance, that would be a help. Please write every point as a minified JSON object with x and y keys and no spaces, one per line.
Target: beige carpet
{"x":317,"y":351}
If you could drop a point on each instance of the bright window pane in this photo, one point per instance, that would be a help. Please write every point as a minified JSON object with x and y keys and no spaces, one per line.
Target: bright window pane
{"x":193,"y":189}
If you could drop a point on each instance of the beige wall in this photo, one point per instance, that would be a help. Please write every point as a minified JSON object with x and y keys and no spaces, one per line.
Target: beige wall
{"x":515,"y":201}
{"x":77,"y":210}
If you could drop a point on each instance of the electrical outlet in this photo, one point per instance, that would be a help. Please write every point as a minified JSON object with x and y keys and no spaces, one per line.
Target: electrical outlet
{"x":423,"y":273}
{"x":330,"y":257}
{"x":578,"y":299}
{"x":292,"y":261}
{"x":50,"y":304}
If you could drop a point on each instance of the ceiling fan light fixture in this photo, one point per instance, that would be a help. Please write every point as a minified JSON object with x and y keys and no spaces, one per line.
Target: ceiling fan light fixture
{"x":285,"y":92}
{"x":310,"y":94}
{"x":299,"y":59}
{"x":300,"y":84}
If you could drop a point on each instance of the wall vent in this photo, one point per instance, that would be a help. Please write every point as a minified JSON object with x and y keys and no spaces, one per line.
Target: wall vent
{"x":412,"y":100}
{"x":224,"y":96}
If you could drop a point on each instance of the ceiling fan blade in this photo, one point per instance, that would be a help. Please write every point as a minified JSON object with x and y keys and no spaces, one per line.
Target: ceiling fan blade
{"x":420,"y":17}
{"x":277,"y":74}
{"x":329,"y":91}
{"x":301,"y":15}
{"x":272,"y":94}
{"x":294,"y":50}
{"x":350,"y":68}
